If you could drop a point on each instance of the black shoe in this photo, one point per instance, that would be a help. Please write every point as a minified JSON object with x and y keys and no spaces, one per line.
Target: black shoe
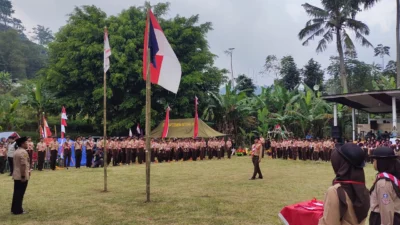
{"x":261,"y":178}
{"x":252,"y":178}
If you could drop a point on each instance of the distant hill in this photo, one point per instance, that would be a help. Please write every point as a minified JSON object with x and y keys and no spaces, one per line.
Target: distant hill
{"x":256,"y":92}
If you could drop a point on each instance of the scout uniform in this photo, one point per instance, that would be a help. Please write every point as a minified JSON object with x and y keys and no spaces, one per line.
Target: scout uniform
{"x":41,"y":147}
{"x":141,"y":156}
{"x":129,"y":146}
{"x":3,"y":153}
{"x":114,"y":147}
{"x":67,"y":153}
{"x":168,"y":147}
{"x":30,"y":149}
{"x":78,"y":153}
{"x":21,"y":176}
{"x":256,"y":154}
{"x":89,"y":152}
{"x":123,"y":151}
{"x":53,"y":153}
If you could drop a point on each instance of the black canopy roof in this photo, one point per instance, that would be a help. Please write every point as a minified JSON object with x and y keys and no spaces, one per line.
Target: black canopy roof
{"x":375,"y":102}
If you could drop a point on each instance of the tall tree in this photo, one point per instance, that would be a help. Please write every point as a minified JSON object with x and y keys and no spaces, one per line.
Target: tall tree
{"x":272,"y":65}
{"x":75,"y":70}
{"x":313,"y":74}
{"x":289,"y":73}
{"x":245,"y":84}
{"x":333,"y":21}
{"x":6,"y":10}
{"x":381,"y":51}
{"x":43,"y":35}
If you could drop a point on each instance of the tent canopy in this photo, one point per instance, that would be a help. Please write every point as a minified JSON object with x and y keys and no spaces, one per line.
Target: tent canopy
{"x":183,"y":128}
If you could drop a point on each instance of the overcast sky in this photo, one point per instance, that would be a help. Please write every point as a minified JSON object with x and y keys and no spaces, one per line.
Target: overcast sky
{"x":255,"y":28}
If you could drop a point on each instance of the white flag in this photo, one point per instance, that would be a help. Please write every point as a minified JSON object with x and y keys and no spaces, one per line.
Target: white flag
{"x":107,"y":53}
{"x":130,"y":133}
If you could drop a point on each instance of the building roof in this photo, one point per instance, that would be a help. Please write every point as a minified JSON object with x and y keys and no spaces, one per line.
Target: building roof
{"x":375,"y":102}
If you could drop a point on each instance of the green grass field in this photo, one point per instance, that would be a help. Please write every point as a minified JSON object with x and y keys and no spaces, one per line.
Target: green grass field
{"x":207,"y":192}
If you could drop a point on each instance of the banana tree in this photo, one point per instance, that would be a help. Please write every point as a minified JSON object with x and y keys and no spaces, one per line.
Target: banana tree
{"x":7,"y":114}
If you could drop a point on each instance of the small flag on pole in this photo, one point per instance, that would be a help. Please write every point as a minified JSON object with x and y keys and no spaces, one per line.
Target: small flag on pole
{"x":196,"y":118}
{"x":63,"y":121}
{"x":46,"y":128}
{"x":41,"y":131}
{"x":130,"y":132}
{"x":165,"y":69}
{"x":107,"y":52}
{"x":138,"y":131}
{"x":166,"y":124}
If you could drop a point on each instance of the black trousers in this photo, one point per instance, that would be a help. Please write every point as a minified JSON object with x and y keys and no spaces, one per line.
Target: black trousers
{"x":167,"y":155}
{"x":375,"y":218}
{"x":67,"y":157}
{"x":128,"y":156}
{"x":53,"y":159}
{"x":194,"y":154}
{"x":2,"y":164}
{"x":115,"y":157}
{"x":185,"y":156}
{"x":41,"y":160}
{"x":11,"y":164}
{"x":229,"y":151}
{"x":176,"y":154}
{"x":89,"y":158}
{"x":257,"y":169}
{"x":18,"y":196}
{"x":78,"y":158}
{"x":30,"y":153}
{"x":219,"y":154}
{"x":123,"y":160}
{"x":210,"y":153}
{"x":134,"y":154}
{"x":141,"y":155}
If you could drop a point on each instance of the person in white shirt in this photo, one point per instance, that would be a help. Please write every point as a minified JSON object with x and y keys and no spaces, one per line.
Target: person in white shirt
{"x":10,"y":153}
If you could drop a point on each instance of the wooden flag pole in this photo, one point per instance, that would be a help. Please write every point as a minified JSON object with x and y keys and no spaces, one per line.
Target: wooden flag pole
{"x":105,"y":127}
{"x":148,"y":113}
{"x":55,"y":131}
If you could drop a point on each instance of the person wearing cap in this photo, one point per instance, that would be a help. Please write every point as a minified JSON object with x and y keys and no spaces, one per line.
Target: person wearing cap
{"x":53,"y":153}
{"x":41,"y":148}
{"x":10,"y":152}
{"x":256,"y":158}
{"x":21,"y":175}
{"x":385,"y":192}
{"x":347,"y":200}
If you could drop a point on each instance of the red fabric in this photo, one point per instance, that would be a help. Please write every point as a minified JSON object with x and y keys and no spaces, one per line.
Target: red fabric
{"x":166,"y":124}
{"x":196,"y":119}
{"x":297,"y":214}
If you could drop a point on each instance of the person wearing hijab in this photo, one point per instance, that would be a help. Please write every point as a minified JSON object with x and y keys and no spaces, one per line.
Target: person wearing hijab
{"x":347,"y":200}
{"x":21,"y":175}
{"x":385,"y":193}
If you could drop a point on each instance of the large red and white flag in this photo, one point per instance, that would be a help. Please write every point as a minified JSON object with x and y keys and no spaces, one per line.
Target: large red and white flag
{"x":166,"y":124}
{"x":41,"y":131}
{"x":165,"y":69}
{"x":196,"y":118}
{"x":46,"y":128}
{"x":107,"y":52}
{"x":63,"y":121}
{"x":138,"y":131}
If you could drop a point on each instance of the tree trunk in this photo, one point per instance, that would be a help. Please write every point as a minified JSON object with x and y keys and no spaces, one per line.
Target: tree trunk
{"x":343,"y":75}
{"x":398,"y":43}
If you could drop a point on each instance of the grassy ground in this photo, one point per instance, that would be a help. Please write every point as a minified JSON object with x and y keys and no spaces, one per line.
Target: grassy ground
{"x":208,"y":192}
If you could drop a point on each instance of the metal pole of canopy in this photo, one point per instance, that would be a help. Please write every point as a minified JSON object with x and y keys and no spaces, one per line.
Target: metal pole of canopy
{"x":353,"y":122}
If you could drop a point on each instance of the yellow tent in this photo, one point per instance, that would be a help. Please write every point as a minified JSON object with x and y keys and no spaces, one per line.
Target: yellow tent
{"x":183,"y":128}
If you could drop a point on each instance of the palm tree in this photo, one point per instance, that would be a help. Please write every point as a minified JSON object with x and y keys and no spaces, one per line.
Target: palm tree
{"x":382,"y":51}
{"x":334,"y":20}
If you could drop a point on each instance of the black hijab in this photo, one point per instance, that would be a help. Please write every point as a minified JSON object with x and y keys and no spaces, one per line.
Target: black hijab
{"x":391,"y":166}
{"x":357,"y":192}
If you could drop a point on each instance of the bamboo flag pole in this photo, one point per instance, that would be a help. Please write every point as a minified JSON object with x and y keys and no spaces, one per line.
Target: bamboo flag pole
{"x":148,"y":112}
{"x":105,"y":126}
{"x":55,"y":130}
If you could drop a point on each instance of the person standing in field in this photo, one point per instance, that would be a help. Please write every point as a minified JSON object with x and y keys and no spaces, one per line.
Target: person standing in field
{"x":89,"y":152}
{"x":3,"y":154}
{"x":10,"y":153}
{"x":67,"y":152}
{"x":385,"y":192}
{"x":256,"y":158}
{"x":347,"y":201}
{"x":21,"y":175}
{"x":53,"y":153}
{"x":30,"y":149}
{"x":41,"y":148}
{"x":78,"y":152}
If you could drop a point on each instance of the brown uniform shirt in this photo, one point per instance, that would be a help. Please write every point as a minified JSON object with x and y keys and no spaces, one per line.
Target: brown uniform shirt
{"x":41,"y":147}
{"x":54,"y":145}
{"x":385,"y":201}
{"x":21,"y":157}
{"x":331,"y":210}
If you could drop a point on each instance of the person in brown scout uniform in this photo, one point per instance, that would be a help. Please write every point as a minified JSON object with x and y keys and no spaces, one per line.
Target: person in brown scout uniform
{"x":31,"y":147}
{"x":141,"y":151}
{"x":41,"y":148}
{"x":67,"y":152}
{"x":114,"y":147}
{"x":78,"y":152}
{"x":347,"y":200}
{"x":21,"y":175}
{"x":256,"y":158}
{"x":53,"y":153}
{"x":110,"y":148}
{"x":89,"y":152}
{"x":385,"y":192}
{"x":229,"y":147}
{"x":3,"y":154}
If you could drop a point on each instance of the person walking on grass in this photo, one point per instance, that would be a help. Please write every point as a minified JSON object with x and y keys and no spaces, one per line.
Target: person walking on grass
{"x":21,"y":175}
{"x":347,"y":201}
{"x":256,"y":158}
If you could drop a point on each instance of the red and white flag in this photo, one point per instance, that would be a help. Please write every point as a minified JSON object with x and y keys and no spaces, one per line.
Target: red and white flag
{"x":165,"y":69}
{"x":138,"y":129}
{"x":63,"y":121}
{"x":46,"y":128}
{"x":107,"y":52}
{"x":196,"y":118}
{"x":166,"y":124}
{"x":41,"y":132}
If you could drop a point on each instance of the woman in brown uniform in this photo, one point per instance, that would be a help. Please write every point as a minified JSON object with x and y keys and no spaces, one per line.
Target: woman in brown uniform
{"x":347,"y":200}
{"x":385,"y":193}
